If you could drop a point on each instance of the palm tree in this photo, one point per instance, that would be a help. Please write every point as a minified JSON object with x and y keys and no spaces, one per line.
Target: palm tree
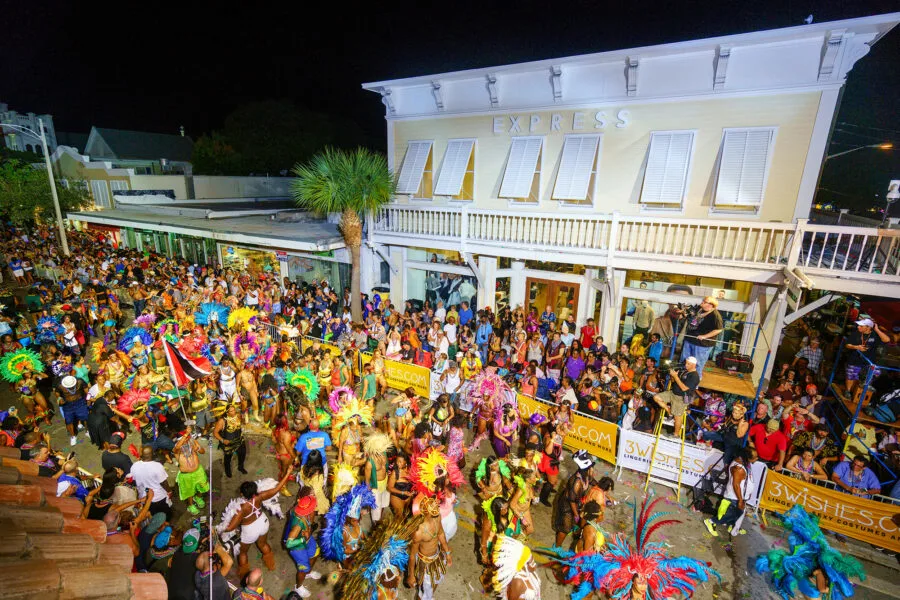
{"x":353,"y":184}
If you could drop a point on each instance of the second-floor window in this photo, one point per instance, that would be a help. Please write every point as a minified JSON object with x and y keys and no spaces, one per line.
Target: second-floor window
{"x":457,"y":177}
{"x":100,"y":191}
{"x":668,"y":162}
{"x":577,"y":176}
{"x":522,"y":178}
{"x":743,"y":168}
{"x":416,"y":174}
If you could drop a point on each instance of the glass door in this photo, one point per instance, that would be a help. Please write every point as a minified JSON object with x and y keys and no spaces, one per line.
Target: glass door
{"x":560,"y":296}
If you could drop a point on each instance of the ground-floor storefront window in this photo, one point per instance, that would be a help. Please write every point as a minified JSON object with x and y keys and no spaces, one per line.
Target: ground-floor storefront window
{"x":252,"y":261}
{"x":434,"y":286}
{"x":313,"y":270}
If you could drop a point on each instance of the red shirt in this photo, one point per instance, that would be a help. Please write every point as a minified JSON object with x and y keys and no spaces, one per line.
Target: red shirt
{"x":587,"y":335}
{"x":768,"y":445}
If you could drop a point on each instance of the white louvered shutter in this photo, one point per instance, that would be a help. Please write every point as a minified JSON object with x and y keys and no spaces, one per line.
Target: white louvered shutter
{"x":413,"y":167}
{"x":523,"y":157}
{"x":667,"y":168}
{"x":453,"y":171}
{"x":742,"y":170}
{"x":100,"y":192}
{"x":578,"y":159}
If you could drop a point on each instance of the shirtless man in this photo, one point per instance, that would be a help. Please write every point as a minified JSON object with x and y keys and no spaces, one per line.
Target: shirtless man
{"x":429,"y":553}
{"x":191,"y":478}
{"x":254,"y":524}
{"x":247,"y":381}
{"x":284,"y":440}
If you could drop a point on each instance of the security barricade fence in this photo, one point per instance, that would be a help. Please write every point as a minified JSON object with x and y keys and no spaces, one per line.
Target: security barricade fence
{"x":865,"y":519}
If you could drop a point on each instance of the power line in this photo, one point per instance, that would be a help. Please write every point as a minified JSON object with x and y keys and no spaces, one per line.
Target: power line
{"x":862,"y":135}
{"x":868,"y":127}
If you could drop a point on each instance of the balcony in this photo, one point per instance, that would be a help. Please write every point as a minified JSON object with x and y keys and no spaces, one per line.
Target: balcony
{"x":863,"y":260}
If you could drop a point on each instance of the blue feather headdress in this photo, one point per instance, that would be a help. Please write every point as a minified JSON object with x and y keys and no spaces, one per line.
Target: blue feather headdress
{"x":331,"y":539}
{"x":47,"y":329}
{"x":206,"y":350}
{"x":809,"y":550}
{"x":612,"y":570}
{"x":127,"y":342}
{"x":203,"y":316}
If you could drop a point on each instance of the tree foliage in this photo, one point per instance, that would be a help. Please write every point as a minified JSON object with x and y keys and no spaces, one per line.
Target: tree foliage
{"x":25,"y":194}
{"x":269,"y":137}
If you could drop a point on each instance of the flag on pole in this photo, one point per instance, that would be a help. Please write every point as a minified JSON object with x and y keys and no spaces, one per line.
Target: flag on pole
{"x":183,"y":369}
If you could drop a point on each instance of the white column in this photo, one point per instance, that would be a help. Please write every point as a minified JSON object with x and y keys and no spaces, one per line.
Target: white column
{"x":586,"y":296}
{"x":397,"y":258}
{"x":610,"y":309}
{"x":369,"y":265}
{"x":487,"y":290}
{"x":517,"y":291}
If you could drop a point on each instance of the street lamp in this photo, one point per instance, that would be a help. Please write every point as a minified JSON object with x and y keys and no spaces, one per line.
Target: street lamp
{"x":43,"y":138}
{"x":884,"y":146}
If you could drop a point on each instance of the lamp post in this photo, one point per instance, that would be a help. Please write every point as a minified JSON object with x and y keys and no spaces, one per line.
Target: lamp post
{"x":41,"y":136}
{"x":884,"y":146}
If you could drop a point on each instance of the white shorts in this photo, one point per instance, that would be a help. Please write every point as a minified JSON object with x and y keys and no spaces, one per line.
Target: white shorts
{"x":255,"y":530}
{"x":18,"y":272}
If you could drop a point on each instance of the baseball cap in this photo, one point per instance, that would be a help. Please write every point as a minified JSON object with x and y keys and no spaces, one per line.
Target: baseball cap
{"x":866,"y":322}
{"x":190,"y":540}
{"x":691,"y":359}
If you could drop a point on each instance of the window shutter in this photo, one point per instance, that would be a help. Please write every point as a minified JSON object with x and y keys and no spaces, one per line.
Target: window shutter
{"x":413,"y":167}
{"x":523,"y":157}
{"x":742,"y":170}
{"x":578,"y":159}
{"x":667,"y":168}
{"x":456,"y":159}
{"x":100,"y":192}
{"x":118,"y":185}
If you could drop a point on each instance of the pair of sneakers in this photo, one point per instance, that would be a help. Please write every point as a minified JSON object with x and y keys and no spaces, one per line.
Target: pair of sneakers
{"x":301,"y":590}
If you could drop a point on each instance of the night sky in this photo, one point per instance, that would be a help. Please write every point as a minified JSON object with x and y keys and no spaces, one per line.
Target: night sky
{"x":156,"y":65}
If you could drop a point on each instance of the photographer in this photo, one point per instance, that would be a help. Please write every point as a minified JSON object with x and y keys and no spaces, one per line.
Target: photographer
{"x":217,"y":568}
{"x":703,"y":326}
{"x":676,"y":399}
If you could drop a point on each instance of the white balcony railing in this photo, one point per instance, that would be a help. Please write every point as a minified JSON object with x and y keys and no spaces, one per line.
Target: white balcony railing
{"x":849,"y":252}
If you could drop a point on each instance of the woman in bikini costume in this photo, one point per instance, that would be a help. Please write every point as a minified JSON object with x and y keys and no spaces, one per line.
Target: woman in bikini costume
{"x":400,"y":486}
{"x":284,"y":440}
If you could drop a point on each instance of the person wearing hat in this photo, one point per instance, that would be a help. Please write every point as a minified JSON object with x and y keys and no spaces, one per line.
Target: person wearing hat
{"x":566,"y":514}
{"x":182,"y":569}
{"x":113,"y":457}
{"x":770,"y":443}
{"x":300,"y":541}
{"x":72,"y":404}
{"x":701,"y":333}
{"x":863,"y":342}
{"x":676,"y":399}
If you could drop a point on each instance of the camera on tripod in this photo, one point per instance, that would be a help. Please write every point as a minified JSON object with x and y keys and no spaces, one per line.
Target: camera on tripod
{"x":666,"y":365}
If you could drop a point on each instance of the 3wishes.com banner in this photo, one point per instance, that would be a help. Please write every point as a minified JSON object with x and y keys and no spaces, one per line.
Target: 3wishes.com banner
{"x":596,"y":436}
{"x":855,"y":517}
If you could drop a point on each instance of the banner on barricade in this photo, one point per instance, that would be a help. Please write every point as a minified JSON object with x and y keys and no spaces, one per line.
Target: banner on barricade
{"x":308,"y":342}
{"x":402,"y":375}
{"x":636,"y":450}
{"x":596,"y":436}
{"x":859,"y":518}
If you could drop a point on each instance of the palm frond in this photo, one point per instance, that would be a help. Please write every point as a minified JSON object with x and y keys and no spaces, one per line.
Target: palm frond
{"x":337,"y":180}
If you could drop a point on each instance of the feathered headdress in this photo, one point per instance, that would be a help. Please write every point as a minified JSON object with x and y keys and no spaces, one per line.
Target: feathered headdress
{"x":354,"y":408}
{"x":206,"y":350}
{"x":345,"y":477}
{"x":305,"y":380}
{"x":508,"y":557}
{"x":349,"y":504}
{"x":204,"y":315}
{"x":481,"y":471}
{"x":129,"y":336}
{"x":261,"y":358}
{"x":488,"y":386}
{"x":809,"y":551}
{"x":612,"y":570}
{"x":146,"y":320}
{"x":161,"y":326}
{"x":430,"y":466}
{"x":127,"y":401}
{"x":383,"y":551}
{"x":324,"y":417}
{"x":334,"y":398}
{"x":240,"y":318}
{"x":245,"y":338}
{"x":14,"y":364}
{"x":377,"y":443}
{"x":47,"y":329}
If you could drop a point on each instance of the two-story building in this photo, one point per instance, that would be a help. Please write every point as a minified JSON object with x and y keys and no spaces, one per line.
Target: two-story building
{"x":648,"y":173}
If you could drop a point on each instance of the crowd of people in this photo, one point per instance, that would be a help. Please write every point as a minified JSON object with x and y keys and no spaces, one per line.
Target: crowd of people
{"x":180,"y":354}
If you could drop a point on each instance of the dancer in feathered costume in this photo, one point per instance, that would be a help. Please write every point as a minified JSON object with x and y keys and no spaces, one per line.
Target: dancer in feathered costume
{"x":239,"y":320}
{"x":133,"y":335}
{"x":146,"y":320}
{"x":169,"y":329}
{"x":14,"y":364}
{"x":429,"y":552}
{"x":376,"y":570}
{"x":130,"y":400}
{"x":345,"y":477}
{"x":354,"y":408}
{"x":342,"y":536}
{"x":432,"y":473}
{"x":811,"y":565}
{"x":210,"y":313}
{"x":340,"y":396}
{"x":643,"y":571}
{"x":505,"y":427}
{"x":214,"y":351}
{"x":511,"y":571}
{"x":488,"y":391}
{"x":305,"y":380}
{"x":244,"y":347}
{"x":376,"y":449}
{"x":48,"y":328}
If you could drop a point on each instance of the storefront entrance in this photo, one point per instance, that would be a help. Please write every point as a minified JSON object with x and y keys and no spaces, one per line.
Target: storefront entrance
{"x":561,"y":296}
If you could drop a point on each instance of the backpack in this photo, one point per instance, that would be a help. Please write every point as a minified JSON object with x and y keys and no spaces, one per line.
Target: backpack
{"x":423,"y":359}
{"x":887,"y":408}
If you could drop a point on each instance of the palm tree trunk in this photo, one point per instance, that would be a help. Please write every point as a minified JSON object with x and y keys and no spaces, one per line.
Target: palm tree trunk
{"x":351,"y":229}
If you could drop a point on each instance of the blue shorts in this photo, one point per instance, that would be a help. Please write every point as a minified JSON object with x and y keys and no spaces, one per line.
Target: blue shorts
{"x":855,"y":372}
{"x":302,"y":557}
{"x":162,"y":442}
{"x":74,"y":410}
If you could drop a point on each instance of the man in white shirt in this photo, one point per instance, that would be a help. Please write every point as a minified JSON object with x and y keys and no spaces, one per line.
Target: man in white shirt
{"x":443,"y":346}
{"x":441,"y":313}
{"x":150,"y":475}
{"x":450,"y":331}
{"x":252,"y":298}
